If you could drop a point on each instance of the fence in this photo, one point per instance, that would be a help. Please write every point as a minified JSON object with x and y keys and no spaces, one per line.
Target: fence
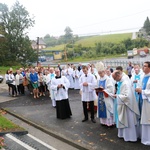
{"x":123,"y":63}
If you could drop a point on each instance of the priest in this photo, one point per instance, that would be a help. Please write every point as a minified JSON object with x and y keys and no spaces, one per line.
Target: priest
{"x":60,"y":85}
{"x":144,"y":104}
{"x":126,"y":109}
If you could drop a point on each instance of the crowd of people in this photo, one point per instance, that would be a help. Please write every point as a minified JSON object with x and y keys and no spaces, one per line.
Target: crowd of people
{"x":121,"y":96}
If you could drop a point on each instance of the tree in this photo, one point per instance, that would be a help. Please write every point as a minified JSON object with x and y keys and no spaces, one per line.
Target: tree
{"x":68,"y":35}
{"x":98,"y":47}
{"x":127,"y":43}
{"x":15,"y":23}
{"x":147,"y":26}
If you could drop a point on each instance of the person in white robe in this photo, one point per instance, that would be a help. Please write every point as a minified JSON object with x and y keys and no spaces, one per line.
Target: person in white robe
{"x":135,"y":79}
{"x":11,"y":77}
{"x":81,"y":73}
{"x":109,"y":74}
{"x":52,"y":75}
{"x":76,"y":76}
{"x":19,"y":82}
{"x":105,"y":102}
{"x":144,"y":101}
{"x":135,"y":82}
{"x":126,"y":109}
{"x":60,"y":85}
{"x":47,"y":80}
{"x":124,"y":75}
{"x":63,"y":71}
{"x":96,"y":75}
{"x":69,"y":75}
{"x":87,"y":84}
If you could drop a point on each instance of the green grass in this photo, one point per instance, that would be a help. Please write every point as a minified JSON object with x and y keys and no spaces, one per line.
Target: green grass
{"x":81,"y":59}
{"x":57,"y":47}
{"x":3,"y":69}
{"x":7,"y":125}
{"x":90,"y":41}
{"x":114,"y":38}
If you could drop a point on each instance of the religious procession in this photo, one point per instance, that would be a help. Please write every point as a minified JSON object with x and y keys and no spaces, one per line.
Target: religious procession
{"x":121,"y":97}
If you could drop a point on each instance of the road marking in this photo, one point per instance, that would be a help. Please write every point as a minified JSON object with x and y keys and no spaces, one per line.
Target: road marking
{"x":20,"y":142}
{"x":43,"y":143}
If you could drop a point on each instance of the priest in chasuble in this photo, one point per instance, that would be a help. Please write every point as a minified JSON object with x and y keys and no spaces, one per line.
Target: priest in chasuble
{"x":144,"y":104}
{"x":126,"y":112}
{"x":105,"y":101}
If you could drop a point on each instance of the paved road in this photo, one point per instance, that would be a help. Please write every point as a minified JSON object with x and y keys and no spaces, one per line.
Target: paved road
{"x":89,"y":135}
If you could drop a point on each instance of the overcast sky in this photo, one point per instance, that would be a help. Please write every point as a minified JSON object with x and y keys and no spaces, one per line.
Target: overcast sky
{"x":85,"y":17}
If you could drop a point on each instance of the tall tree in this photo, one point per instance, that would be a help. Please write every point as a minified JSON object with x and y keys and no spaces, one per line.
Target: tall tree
{"x":68,"y":35}
{"x":15,"y":23}
{"x":147,"y":25}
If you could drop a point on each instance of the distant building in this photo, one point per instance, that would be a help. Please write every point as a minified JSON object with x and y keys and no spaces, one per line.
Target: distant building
{"x":41,"y":45}
{"x":54,"y":54}
{"x":57,"y":54}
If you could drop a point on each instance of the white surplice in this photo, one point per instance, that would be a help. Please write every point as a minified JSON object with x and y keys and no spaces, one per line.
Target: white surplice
{"x":76,"y":76}
{"x":61,"y":93}
{"x":145,"y":114}
{"x":88,"y":92}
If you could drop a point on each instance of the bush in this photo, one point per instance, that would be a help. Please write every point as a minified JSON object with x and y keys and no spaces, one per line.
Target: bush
{"x":1,"y":142}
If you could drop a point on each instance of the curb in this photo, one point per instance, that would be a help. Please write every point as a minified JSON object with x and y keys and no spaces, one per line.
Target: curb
{"x":51,"y":133}
{"x":14,"y":132}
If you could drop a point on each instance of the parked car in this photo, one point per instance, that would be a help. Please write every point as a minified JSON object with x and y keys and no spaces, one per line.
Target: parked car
{"x":143,"y":54}
{"x":1,"y":79}
{"x":130,"y":54}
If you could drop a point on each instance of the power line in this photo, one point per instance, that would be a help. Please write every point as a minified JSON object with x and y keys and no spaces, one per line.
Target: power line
{"x":112,"y":19}
{"x":104,"y":32}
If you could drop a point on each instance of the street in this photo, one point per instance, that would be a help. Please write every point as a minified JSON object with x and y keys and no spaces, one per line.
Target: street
{"x":71,"y":131}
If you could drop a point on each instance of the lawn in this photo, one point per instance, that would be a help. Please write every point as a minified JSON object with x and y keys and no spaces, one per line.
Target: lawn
{"x":6,"y":125}
{"x":82,"y":59}
{"x":3,"y":69}
{"x":90,"y":41}
{"x":57,"y":47}
{"x":114,"y":38}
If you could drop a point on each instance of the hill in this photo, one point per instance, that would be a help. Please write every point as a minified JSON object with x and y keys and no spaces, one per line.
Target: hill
{"x":114,"y":38}
{"x":90,"y":41}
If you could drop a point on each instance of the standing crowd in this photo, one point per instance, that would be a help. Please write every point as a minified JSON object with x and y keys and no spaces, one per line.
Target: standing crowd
{"x":121,"y":99}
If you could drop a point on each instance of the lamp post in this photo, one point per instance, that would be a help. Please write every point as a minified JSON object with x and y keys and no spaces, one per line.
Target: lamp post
{"x":37,"y":50}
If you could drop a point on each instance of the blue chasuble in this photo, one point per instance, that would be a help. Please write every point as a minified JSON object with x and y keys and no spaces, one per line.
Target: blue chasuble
{"x":52,"y":76}
{"x":136,"y":77}
{"x":144,"y":83}
{"x":101,"y":102}
{"x":115,"y":104}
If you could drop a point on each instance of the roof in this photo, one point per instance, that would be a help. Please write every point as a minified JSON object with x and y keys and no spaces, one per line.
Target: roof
{"x":41,"y":42}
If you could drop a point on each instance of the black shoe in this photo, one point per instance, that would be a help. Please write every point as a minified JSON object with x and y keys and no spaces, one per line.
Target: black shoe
{"x":84,"y":120}
{"x":93,"y":120}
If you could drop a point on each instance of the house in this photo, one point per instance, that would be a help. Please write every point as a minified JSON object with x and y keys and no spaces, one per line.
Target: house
{"x":56,"y":54}
{"x":41,"y":45}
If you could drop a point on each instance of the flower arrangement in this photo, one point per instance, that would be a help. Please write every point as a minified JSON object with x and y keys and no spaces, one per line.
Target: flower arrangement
{"x":1,"y":142}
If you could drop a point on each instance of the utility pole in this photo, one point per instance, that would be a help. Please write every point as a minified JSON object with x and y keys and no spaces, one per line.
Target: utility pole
{"x":37,"y":50}
{"x":65,"y":52}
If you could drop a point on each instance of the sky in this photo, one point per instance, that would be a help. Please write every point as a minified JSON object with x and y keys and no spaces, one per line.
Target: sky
{"x":84,"y":17}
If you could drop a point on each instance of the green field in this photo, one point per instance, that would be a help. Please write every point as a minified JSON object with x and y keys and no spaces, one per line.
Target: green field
{"x":90,"y":41}
{"x":57,"y":47}
{"x":3,"y":69}
{"x":114,"y":38}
